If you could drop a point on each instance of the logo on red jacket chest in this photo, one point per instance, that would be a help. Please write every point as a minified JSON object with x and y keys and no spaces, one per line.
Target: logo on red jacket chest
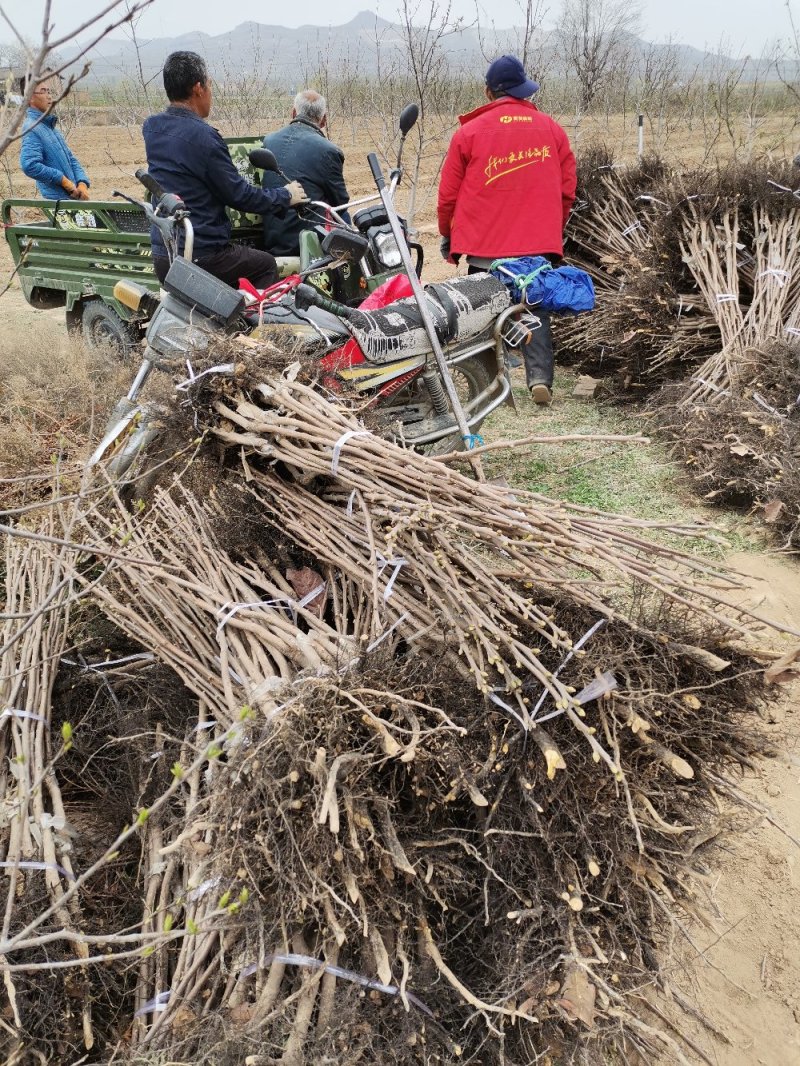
{"x":499,"y":165}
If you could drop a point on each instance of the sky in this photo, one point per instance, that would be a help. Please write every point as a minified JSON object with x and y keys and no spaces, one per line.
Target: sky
{"x":743,"y":26}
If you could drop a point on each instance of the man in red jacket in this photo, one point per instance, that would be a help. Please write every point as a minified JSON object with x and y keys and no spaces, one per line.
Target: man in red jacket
{"x":507,"y":187}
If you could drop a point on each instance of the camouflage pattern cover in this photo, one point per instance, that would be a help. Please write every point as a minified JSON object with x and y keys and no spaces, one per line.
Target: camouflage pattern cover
{"x":240,"y":147}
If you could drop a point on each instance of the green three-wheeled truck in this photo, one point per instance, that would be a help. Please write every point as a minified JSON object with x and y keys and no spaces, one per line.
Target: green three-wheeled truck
{"x":70,"y":254}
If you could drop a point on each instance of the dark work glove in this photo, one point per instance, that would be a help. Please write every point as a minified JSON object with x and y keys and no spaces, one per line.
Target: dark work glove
{"x":444,"y":248}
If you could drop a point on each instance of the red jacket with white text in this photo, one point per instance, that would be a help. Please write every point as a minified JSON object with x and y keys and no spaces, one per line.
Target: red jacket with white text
{"x":508,"y":182}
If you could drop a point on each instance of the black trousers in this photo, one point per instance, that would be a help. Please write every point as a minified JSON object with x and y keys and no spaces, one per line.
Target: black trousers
{"x":230,"y":263}
{"x":538,"y":351}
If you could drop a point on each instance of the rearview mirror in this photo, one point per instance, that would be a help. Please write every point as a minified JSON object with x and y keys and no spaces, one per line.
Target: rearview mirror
{"x":408,"y":117}
{"x":343,"y":244}
{"x":263,"y":159}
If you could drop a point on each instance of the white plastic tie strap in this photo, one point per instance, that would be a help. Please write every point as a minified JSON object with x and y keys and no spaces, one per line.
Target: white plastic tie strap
{"x":793,"y":331}
{"x":398,"y":565}
{"x":576,"y":647}
{"x":783,"y":188}
{"x":311,"y":596}
{"x":781,"y":275}
{"x":293,"y":605}
{"x":337,"y":448}
{"x":630,"y":229}
{"x":18,"y":712}
{"x":507,"y":707}
{"x":713,"y":387}
{"x":596,"y":688}
{"x":388,"y":632}
{"x":202,"y":889}
{"x":234,"y":608}
{"x":223,"y":368}
{"x":27,"y":864}
{"x":767,"y":406}
{"x":139,"y":657}
{"x":727,"y":297}
{"x":157,"y":1003}
{"x":311,"y":963}
{"x":599,"y":686}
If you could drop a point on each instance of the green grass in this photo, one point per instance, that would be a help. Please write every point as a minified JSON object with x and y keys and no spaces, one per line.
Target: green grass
{"x":640,"y":480}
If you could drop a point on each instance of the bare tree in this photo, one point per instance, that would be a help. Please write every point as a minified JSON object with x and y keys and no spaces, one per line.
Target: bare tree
{"x":595,"y":39}
{"x":425,"y":25}
{"x":130,"y":31}
{"x":41,"y":59}
{"x":243,"y":94}
{"x":788,"y":62}
{"x":526,"y":35}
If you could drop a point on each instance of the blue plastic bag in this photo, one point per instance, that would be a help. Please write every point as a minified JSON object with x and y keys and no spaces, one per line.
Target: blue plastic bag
{"x":534,"y":280}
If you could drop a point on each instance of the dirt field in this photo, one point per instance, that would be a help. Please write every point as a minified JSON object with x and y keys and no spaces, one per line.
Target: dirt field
{"x":742,"y":967}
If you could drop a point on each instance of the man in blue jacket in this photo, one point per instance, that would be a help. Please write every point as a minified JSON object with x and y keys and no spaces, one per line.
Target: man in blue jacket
{"x":304,"y":153}
{"x":188,"y":157}
{"x":45,"y":155}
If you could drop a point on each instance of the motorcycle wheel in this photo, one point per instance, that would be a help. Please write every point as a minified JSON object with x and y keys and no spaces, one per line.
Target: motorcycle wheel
{"x":470,"y":379}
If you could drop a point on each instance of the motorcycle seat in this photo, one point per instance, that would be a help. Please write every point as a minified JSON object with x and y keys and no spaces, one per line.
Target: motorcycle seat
{"x":460,"y":308}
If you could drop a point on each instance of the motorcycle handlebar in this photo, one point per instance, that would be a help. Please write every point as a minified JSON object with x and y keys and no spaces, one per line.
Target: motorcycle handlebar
{"x":149,"y":183}
{"x":377,"y":173}
{"x":307,"y":296}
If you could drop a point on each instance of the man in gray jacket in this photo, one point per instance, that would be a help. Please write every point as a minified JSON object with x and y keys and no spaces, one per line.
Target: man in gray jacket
{"x":305,"y":155}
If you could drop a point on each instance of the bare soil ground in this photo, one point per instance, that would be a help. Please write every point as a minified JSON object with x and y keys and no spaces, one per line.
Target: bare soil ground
{"x":742,"y":967}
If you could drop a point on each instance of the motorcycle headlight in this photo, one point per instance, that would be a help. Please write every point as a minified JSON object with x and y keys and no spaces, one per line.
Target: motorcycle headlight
{"x":386,"y":250}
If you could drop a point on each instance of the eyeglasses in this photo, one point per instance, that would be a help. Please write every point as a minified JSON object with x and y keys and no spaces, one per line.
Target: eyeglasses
{"x":42,"y":89}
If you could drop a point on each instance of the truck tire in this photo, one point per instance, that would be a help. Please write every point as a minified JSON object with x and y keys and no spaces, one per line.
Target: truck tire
{"x":105,"y":331}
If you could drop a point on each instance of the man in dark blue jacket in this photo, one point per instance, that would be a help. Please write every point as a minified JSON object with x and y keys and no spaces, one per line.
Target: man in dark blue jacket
{"x":306,"y":155}
{"x":188,"y":157}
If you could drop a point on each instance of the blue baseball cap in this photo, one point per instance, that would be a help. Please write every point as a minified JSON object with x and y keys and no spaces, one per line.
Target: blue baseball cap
{"x":507,"y":75}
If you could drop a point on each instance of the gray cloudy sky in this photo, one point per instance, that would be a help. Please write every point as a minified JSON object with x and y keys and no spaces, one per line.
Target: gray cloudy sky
{"x":745,"y":26}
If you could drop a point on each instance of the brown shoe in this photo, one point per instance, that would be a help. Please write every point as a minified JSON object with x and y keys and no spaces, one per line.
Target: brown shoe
{"x":541,"y":395}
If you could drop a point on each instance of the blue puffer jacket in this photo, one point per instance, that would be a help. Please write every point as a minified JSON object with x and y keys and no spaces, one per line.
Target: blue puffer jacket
{"x":304,"y":154}
{"x":188,"y":157}
{"x":45,"y":156}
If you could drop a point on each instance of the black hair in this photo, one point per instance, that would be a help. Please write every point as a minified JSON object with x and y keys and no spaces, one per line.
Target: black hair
{"x":26,"y":79}
{"x":182,"y":71}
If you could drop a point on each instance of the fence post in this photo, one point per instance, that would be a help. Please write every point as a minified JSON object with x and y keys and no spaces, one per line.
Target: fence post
{"x":641,"y":135}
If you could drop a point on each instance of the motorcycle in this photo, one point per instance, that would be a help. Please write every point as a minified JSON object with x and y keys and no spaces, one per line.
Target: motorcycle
{"x":383,"y":353}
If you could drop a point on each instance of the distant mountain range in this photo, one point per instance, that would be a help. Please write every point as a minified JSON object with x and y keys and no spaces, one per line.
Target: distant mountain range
{"x":363,"y":46}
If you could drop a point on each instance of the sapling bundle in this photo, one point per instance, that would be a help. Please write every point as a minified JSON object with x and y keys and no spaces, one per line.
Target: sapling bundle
{"x":743,"y":450}
{"x":711,"y":272}
{"x":378,"y":826}
{"x":412,"y":758}
{"x":751,"y":287}
{"x":736,"y":423}
{"x":37,"y":865}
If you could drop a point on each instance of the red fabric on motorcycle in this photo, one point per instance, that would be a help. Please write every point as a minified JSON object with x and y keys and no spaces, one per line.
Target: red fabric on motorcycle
{"x":396,"y":288}
{"x":349,"y":354}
